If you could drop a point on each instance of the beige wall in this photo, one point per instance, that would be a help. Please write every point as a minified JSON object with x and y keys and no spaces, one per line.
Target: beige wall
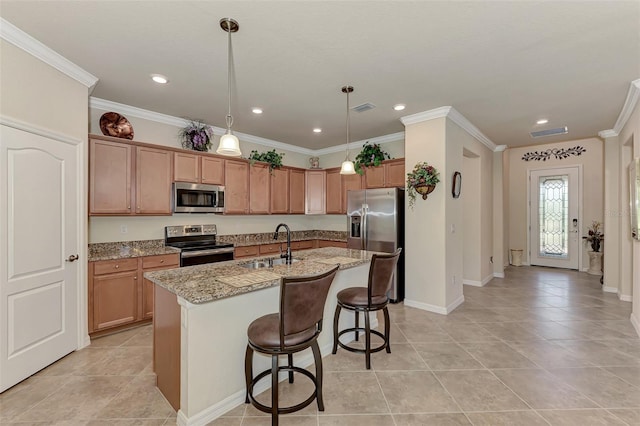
{"x":592,"y":188}
{"x":630,"y":140}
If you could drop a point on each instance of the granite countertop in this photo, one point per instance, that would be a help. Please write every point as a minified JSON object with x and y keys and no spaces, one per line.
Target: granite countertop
{"x":128,"y":249}
{"x":118,"y":250}
{"x":213,"y":281}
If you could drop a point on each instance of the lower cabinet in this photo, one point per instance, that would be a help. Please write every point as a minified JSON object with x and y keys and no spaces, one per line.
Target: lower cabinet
{"x":329,"y":243}
{"x":118,"y":295}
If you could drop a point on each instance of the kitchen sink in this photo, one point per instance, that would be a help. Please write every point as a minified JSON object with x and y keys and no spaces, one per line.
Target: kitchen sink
{"x":267,"y":263}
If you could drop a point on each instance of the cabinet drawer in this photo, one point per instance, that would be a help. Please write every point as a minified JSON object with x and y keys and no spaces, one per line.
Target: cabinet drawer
{"x":301,"y":245}
{"x":245,"y":251}
{"x":110,"y":266}
{"x":328,"y":243}
{"x":161,"y":261}
{"x":270,"y":248}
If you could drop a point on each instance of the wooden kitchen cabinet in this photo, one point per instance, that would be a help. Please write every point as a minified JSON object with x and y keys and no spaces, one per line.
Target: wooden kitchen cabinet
{"x":302,"y":245}
{"x":245,"y":251}
{"x":196,"y":168}
{"x":334,"y":191}
{"x":119,"y":296}
{"x":236,"y":177}
{"x":110,"y":171}
{"x":389,"y":174}
{"x":349,"y":183}
{"x":329,"y":243}
{"x":315,"y":192}
{"x":296,"y":191}
{"x":153,"y":181}
{"x":259,"y":190}
{"x":127,"y":179}
{"x":279,"y":187}
{"x":272,"y":248}
{"x":154,"y":263}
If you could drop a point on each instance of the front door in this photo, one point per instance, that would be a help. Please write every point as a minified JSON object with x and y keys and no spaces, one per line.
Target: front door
{"x":554,"y":220}
{"x":39,"y":183}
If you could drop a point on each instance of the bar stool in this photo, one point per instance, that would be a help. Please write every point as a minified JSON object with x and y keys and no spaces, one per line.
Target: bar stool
{"x":368,"y":299}
{"x":295,"y":328}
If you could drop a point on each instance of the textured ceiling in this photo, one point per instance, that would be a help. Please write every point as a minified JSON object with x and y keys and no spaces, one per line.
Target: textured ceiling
{"x":502,"y":65}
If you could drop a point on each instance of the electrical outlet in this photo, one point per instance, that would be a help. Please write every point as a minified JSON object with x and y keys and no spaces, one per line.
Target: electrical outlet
{"x":123,"y":229}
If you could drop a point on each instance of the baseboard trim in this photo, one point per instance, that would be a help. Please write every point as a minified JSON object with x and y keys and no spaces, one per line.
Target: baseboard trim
{"x":472,"y":283}
{"x":625,"y":297}
{"x":636,"y":323}
{"x":498,"y":275}
{"x":211,"y":413}
{"x":434,"y":308}
{"x":610,"y":289}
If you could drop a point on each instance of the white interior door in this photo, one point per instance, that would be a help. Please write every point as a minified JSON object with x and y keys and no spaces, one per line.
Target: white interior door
{"x":554,"y":218}
{"x":39,"y":228}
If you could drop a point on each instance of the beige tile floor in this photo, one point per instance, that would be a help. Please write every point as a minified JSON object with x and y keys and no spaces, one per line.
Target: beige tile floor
{"x":540,"y":347}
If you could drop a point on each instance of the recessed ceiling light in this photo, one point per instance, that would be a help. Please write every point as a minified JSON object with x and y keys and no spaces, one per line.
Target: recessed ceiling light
{"x":257,"y":110}
{"x":159,"y":78}
{"x":317,"y":130}
{"x":399,"y":107}
{"x":542,"y":121}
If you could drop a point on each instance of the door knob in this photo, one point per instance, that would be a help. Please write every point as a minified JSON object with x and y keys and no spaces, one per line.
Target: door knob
{"x":72,"y":258}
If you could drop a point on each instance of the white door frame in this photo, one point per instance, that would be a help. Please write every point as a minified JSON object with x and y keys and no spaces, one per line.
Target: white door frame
{"x":580,"y":206}
{"x":81,"y":145}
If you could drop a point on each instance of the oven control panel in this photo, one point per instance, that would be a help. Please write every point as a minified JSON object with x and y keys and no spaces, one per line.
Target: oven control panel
{"x":189,"y":230}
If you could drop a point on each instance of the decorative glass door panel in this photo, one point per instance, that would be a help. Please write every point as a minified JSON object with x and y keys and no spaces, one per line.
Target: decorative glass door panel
{"x":554,"y":239}
{"x":554,"y":216}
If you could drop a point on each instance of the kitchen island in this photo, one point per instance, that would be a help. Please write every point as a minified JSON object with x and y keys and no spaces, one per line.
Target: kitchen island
{"x":201,"y":315}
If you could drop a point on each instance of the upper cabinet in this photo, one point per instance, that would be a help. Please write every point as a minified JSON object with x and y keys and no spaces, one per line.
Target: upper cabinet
{"x":198,"y":168}
{"x":389,"y":174}
{"x":315,"y":194}
{"x":236,"y":176}
{"x":126,"y":179}
{"x":279,"y":186}
{"x":259,"y":189}
{"x":296,"y":191}
{"x":349,"y":183}
{"x":334,"y":191}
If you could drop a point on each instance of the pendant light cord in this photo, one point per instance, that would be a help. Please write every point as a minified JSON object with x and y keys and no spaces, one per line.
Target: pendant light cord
{"x":348,"y":123}
{"x":229,"y":116}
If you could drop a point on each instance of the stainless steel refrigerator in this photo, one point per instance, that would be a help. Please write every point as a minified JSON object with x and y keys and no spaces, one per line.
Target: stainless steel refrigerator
{"x":375,"y":220}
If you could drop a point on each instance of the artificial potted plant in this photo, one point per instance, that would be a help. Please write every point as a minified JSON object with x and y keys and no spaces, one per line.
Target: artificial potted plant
{"x":595,"y":237}
{"x":421,"y":180}
{"x":272,"y":157}
{"x":196,"y":136}
{"x":370,"y":156}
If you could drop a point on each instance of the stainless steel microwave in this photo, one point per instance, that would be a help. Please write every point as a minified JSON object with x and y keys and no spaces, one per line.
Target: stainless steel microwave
{"x":197,"y":198}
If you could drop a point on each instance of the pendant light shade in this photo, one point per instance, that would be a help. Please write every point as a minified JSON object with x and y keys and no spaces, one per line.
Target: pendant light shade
{"x":229,"y":143}
{"x":348,"y":168}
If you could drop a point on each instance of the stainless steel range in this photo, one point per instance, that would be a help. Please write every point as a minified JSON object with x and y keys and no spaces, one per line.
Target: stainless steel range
{"x":197,"y":244}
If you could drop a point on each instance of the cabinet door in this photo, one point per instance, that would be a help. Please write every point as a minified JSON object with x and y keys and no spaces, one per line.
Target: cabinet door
{"x":296,"y":191}
{"x":374,"y":177}
{"x":394,"y":173}
{"x":279,"y":191}
{"x":315,"y":192}
{"x":186,"y":167}
{"x":334,"y":191}
{"x":153,"y":181}
{"x":259,"y":189}
{"x":349,"y":183}
{"x":236,"y":177}
{"x":110,"y":170}
{"x":212,"y":170}
{"x":115,"y":299}
{"x":154,"y":263}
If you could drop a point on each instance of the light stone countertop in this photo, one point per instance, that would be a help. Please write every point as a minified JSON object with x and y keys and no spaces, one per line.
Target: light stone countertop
{"x":128,"y":249}
{"x":201,"y":284}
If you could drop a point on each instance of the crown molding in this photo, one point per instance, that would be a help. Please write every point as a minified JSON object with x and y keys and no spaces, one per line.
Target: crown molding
{"x":453,"y":115}
{"x":24,"y":41}
{"x":629,"y":105}
{"x":131,"y":111}
{"x":393,"y":137}
{"x":604,"y":134}
{"x":500,"y":148}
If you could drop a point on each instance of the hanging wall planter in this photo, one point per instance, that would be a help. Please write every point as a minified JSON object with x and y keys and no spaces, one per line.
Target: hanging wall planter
{"x":421,"y":180}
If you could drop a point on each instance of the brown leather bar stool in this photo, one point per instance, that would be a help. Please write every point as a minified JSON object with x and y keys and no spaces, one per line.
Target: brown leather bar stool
{"x":295,"y":328}
{"x":368,"y":299}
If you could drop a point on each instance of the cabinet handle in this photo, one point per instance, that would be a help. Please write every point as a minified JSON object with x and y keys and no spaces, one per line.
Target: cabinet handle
{"x":162,"y":261}
{"x":117,"y":266}
{"x":135,"y":278}
{"x":128,"y":207}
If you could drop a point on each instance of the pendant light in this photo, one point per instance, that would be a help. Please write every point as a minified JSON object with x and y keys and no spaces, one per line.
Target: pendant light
{"x":347,"y":165}
{"x":229,"y":143}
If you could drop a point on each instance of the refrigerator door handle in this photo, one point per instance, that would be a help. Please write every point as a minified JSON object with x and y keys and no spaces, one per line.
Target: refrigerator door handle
{"x":363,"y":239}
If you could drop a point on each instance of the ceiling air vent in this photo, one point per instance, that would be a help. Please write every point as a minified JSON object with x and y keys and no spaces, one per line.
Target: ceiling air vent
{"x":550,"y":132}
{"x":363,"y":107}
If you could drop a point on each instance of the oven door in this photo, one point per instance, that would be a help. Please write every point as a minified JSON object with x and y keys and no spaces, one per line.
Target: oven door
{"x":199,"y":257}
{"x":197,"y":198}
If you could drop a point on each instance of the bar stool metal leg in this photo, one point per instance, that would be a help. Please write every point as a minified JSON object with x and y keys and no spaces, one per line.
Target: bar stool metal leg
{"x":274,"y":390}
{"x":357,"y":314}
{"x":318,"y":361}
{"x":290,"y":360}
{"x":387,"y":326}
{"x":248,"y":370}
{"x":367,"y":339}
{"x":336,"y":318}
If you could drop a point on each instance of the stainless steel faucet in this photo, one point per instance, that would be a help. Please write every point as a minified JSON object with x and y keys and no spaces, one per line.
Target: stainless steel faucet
{"x":287,"y":255}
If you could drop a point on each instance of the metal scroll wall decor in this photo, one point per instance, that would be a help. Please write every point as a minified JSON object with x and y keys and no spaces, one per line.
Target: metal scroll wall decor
{"x":558,"y":153}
